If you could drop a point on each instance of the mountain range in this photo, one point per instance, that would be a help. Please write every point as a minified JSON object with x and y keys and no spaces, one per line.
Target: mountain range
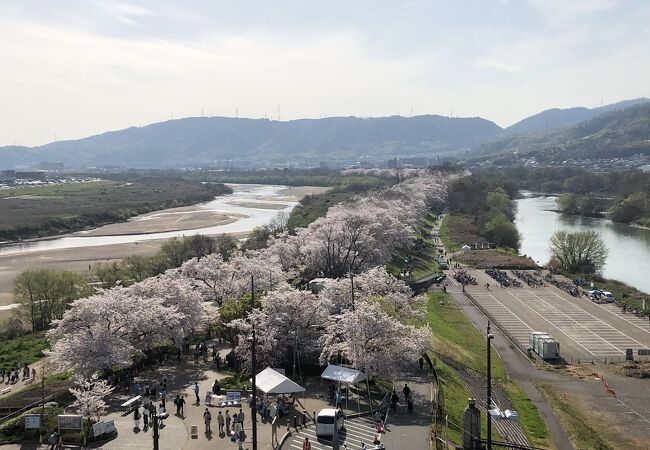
{"x":201,"y":141}
{"x":559,"y":118}
{"x":619,"y":133}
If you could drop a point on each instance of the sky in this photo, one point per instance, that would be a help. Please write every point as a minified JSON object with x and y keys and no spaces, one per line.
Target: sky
{"x":70,"y":69}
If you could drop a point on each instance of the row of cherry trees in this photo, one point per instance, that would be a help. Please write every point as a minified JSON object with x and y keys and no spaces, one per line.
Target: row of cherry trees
{"x":377,"y":329}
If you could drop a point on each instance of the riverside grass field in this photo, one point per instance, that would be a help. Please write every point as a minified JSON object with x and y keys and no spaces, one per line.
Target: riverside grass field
{"x":41,"y":211}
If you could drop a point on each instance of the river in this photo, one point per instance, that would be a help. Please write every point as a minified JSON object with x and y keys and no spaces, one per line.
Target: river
{"x":629,"y":247}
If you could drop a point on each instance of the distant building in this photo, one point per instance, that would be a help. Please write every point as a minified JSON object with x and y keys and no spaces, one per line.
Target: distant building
{"x":33,"y":175}
{"x":7,"y":175}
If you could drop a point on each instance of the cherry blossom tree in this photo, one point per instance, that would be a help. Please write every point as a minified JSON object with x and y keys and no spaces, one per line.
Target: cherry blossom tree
{"x":116,"y":326}
{"x":290,"y":321}
{"x":378,"y":286}
{"x":89,"y":395}
{"x":220,"y":280}
{"x":362,"y":233}
{"x":373,"y":341}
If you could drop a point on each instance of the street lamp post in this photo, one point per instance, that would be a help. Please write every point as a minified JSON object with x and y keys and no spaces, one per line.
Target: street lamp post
{"x":489,"y":337}
{"x":254,"y":367}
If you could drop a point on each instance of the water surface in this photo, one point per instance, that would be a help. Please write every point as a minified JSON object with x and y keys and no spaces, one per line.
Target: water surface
{"x":629,"y":247}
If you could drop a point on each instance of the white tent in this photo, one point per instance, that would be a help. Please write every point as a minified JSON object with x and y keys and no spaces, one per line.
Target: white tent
{"x":273,"y":382}
{"x":343,"y":374}
{"x":466,"y":248}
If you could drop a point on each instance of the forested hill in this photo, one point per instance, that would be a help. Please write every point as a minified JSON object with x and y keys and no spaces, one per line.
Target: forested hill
{"x":202,"y":140}
{"x":620,"y":133}
{"x":559,"y":118}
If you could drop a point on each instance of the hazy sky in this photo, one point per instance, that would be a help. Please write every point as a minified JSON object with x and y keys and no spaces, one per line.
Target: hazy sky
{"x":76,"y":68}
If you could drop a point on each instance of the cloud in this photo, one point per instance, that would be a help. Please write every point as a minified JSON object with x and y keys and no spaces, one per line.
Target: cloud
{"x":564,"y":10}
{"x":501,"y":66}
{"x":117,"y":82}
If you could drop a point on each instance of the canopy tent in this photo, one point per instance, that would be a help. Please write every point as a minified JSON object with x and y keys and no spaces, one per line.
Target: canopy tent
{"x":343,"y":374}
{"x":348,"y":376}
{"x":270,"y":381}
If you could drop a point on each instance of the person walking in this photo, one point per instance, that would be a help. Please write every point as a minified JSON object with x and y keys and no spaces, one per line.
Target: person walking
{"x":228,"y":420}
{"x":406,"y":391}
{"x":339,"y":400}
{"x":136,"y":419}
{"x":421,"y":363}
{"x":181,"y":403}
{"x":196,"y":393}
{"x":394,"y":400}
{"x":53,"y":440}
{"x":239,"y":431}
{"x":163,"y":398}
{"x":207,"y":419}
{"x":152,"y":411}
{"x":220,"y":422}
{"x":177,"y":402}
{"x":240,"y":416}
{"x":145,"y":419}
{"x":306,"y":445}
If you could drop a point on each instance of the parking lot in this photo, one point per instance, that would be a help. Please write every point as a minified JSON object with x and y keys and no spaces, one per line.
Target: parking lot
{"x":584,"y":329}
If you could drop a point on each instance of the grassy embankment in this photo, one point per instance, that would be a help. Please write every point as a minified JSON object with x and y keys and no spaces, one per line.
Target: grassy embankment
{"x":454,"y":334}
{"x":24,"y":349}
{"x":422,"y":258}
{"x":578,"y":425}
{"x":50,"y":210}
{"x":13,"y":430}
{"x":343,"y":189}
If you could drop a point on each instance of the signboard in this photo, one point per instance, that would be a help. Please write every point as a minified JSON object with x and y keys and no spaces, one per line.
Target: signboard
{"x":644,"y":352}
{"x":32,"y":421}
{"x":103,"y":427}
{"x":71,"y":422}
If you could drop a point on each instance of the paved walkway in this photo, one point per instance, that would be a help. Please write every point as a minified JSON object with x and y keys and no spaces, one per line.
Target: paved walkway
{"x":411,"y":430}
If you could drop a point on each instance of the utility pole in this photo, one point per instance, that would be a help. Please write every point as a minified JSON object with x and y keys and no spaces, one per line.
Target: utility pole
{"x":352,"y":286}
{"x":489,"y":337}
{"x":254,"y":367}
{"x":155,"y":432}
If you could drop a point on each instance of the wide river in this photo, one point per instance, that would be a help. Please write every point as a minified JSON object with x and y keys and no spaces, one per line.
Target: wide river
{"x":629,"y":247}
{"x":249,"y":203}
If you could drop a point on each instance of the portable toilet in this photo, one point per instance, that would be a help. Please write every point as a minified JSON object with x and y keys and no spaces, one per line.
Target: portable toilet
{"x":531,"y":338}
{"x":537,"y":342}
{"x":549,"y":349}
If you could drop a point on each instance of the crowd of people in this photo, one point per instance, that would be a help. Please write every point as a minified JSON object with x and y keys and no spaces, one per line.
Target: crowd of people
{"x":18,"y":373}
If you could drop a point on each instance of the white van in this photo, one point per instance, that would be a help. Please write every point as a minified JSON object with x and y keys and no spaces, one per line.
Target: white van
{"x":326,"y":419}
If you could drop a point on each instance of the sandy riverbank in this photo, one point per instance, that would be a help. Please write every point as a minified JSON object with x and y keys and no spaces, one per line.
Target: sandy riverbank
{"x":173,"y":219}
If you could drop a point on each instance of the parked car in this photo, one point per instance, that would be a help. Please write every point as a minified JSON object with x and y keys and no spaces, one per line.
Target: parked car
{"x":608,"y":296}
{"x":329,"y":421}
{"x":595,"y":293}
